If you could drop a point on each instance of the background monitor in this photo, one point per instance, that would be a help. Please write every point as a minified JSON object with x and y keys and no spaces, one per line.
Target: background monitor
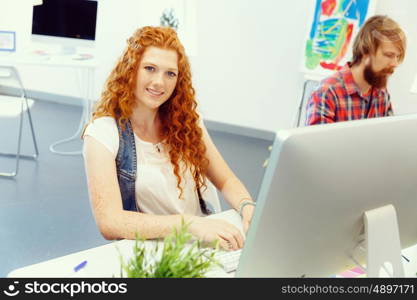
{"x":320,"y":180}
{"x":69,"y":23}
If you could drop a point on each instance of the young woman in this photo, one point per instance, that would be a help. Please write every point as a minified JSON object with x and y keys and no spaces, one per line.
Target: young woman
{"x":149,"y":159}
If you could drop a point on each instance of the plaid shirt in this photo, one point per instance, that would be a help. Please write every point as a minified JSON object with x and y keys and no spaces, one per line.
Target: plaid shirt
{"x":338,"y":99}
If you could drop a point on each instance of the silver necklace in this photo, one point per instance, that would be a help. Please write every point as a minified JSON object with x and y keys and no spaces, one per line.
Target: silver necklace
{"x":157,"y":146}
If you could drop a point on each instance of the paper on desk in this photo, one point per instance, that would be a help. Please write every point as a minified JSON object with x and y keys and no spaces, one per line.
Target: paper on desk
{"x":352,"y":273}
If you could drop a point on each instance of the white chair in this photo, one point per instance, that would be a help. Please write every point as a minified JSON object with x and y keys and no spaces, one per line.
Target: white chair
{"x":10,"y":74}
{"x":308,"y":87}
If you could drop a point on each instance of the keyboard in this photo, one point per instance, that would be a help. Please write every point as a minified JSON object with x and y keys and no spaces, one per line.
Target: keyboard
{"x":229,"y":260}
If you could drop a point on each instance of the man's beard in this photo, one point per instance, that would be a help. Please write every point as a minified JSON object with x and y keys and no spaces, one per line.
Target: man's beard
{"x":377,"y":79}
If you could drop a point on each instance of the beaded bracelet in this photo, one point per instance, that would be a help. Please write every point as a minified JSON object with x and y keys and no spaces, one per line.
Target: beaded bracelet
{"x":243,"y":204}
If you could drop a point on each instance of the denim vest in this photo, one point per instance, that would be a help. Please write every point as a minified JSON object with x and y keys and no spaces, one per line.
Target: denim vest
{"x":126,"y":162}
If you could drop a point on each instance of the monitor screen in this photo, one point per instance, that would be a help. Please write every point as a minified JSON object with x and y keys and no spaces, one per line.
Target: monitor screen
{"x":320,"y":186}
{"x":65,"y":18}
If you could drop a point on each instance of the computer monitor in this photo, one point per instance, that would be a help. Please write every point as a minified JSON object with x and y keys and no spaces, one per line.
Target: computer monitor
{"x":69,"y":23}
{"x":320,"y":180}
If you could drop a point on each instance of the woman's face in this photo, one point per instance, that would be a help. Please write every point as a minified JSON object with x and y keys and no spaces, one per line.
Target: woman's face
{"x":156,"y":77}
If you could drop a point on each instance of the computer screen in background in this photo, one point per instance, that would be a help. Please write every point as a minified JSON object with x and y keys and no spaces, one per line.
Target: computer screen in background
{"x":320,"y":181}
{"x":68,"y":23}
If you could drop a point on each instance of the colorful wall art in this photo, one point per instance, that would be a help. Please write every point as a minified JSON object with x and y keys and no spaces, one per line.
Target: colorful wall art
{"x":332,"y":31}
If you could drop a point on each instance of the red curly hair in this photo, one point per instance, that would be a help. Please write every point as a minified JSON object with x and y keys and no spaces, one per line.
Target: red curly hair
{"x":178,"y":114}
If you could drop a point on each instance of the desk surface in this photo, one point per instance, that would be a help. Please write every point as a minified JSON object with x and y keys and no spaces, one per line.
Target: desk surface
{"x":52,"y":60}
{"x":104,"y":261}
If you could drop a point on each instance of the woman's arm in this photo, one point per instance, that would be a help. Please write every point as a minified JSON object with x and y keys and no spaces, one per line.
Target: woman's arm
{"x":106,"y":200}
{"x":226,"y":181}
{"x":116,"y":223}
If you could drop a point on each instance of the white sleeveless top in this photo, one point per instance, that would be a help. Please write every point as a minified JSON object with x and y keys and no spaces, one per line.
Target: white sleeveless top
{"x":156,"y":183}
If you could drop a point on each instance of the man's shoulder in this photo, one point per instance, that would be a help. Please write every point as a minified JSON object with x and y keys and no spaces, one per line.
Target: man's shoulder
{"x":329,"y":85}
{"x":332,"y":82}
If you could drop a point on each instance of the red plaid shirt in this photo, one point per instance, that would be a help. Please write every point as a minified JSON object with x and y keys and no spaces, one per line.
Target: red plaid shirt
{"x":338,"y":98}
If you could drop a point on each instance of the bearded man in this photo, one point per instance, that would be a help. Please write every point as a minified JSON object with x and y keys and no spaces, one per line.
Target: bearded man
{"x":359,"y":89}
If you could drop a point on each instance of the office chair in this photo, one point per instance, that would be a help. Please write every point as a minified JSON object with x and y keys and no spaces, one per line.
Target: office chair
{"x":308,"y":86}
{"x":10,"y":73}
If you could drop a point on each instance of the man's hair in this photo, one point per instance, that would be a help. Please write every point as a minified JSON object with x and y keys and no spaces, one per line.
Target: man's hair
{"x":376,"y":30}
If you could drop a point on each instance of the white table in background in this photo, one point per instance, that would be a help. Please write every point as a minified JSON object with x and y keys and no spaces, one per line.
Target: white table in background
{"x":85,"y":75}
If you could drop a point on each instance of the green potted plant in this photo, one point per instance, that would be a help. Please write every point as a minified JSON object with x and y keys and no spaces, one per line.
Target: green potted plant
{"x":179,"y":256}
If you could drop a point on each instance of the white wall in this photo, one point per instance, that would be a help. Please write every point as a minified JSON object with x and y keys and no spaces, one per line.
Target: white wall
{"x":403,"y":11}
{"x":246,"y":72}
{"x":246,"y":69}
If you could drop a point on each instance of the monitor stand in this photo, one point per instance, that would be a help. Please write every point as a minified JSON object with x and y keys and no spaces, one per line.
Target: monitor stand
{"x":67,"y":50}
{"x":383,"y":247}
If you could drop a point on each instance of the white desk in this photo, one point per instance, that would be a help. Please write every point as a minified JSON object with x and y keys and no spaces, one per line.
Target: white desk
{"x":104,"y":261}
{"x":85,"y":68}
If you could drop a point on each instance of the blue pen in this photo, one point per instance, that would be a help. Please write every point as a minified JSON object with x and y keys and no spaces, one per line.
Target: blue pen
{"x":80,"y":266}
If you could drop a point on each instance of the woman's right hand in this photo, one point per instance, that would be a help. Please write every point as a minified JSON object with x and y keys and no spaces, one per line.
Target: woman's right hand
{"x":211,"y":230}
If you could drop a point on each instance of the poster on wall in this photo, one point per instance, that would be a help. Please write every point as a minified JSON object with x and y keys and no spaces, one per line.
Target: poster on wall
{"x":333,"y":29}
{"x":7,"y":41}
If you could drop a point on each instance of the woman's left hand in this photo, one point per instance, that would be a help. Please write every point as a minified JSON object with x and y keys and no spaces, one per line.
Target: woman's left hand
{"x":247,"y":214}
